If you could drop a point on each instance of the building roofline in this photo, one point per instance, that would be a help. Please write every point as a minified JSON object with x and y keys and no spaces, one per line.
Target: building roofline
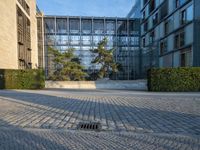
{"x":89,"y":17}
{"x":135,"y":8}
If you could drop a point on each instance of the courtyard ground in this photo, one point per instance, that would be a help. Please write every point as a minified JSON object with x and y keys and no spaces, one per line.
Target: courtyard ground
{"x":49,"y":119}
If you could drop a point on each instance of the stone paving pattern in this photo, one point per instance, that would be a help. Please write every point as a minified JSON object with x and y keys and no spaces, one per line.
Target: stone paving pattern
{"x":48,"y":119}
{"x":64,"y":140}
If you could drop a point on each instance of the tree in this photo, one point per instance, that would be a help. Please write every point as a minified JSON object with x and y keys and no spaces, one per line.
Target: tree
{"x":68,"y":67}
{"x":104,"y":57}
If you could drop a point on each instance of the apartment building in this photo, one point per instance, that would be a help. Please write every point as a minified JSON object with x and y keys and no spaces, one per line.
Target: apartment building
{"x":170,"y":33}
{"x":18,"y":36}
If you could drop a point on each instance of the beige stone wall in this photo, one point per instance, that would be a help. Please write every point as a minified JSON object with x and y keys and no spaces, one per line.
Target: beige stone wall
{"x":34,"y":46}
{"x":8,"y":34}
{"x":40,"y":32}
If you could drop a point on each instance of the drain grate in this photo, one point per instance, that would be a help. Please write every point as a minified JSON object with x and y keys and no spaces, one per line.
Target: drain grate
{"x":95,"y":126}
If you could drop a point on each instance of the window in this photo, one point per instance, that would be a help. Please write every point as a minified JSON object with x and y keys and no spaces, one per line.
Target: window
{"x":179,"y":40}
{"x":186,"y":58}
{"x":122,"y":30}
{"x":144,"y":16}
{"x":20,"y":28}
{"x":110,"y":27}
{"x":61,"y":25}
{"x":86,"y":40}
{"x":97,"y":39}
{"x":183,"y":17}
{"x":61,"y":40}
{"x":145,"y":26}
{"x":152,"y":37}
{"x":143,"y":42}
{"x":98,"y":26}
{"x":166,"y":27}
{"x":123,"y":40}
{"x":86,"y":26}
{"x":163,"y":47}
{"x":50,"y":40}
{"x":182,"y":39}
{"x":151,"y":5}
{"x":75,"y":40}
{"x":134,"y":40}
{"x":155,"y":19}
{"x":187,"y":15}
{"x":164,"y":9}
{"x":49,"y":25}
{"x":134,"y":27}
{"x":74,"y":26}
{"x":176,"y":41}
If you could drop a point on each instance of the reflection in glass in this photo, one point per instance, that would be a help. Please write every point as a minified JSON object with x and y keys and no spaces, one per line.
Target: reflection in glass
{"x":86,"y":26}
{"x":61,"y":25}
{"x":74,"y":26}
{"x":122,"y":34}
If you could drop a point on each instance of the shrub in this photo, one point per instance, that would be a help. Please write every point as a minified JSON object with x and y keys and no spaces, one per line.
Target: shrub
{"x":174,"y":79}
{"x":21,"y":79}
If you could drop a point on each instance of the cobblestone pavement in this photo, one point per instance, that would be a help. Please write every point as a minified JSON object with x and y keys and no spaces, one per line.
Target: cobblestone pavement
{"x":48,"y":119}
{"x":63,"y":140}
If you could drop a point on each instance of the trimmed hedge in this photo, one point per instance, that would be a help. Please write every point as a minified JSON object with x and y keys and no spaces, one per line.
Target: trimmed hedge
{"x":174,"y":79}
{"x":22,"y":79}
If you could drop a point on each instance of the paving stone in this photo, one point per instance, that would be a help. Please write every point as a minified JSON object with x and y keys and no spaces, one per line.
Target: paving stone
{"x":139,"y":114}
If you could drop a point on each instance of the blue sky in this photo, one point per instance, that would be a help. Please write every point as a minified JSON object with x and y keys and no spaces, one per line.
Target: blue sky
{"x":109,"y":8}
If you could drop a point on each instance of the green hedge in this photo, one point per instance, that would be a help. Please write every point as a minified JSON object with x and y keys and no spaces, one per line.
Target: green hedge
{"x":22,"y":79}
{"x":174,"y":79}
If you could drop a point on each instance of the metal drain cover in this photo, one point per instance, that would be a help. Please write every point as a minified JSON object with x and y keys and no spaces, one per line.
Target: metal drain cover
{"x":94,"y":126}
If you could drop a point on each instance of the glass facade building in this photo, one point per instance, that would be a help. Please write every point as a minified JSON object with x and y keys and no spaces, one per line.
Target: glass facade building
{"x":84,"y":34}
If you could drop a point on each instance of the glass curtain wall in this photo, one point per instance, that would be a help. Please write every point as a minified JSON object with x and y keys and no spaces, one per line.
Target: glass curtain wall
{"x":84,"y":34}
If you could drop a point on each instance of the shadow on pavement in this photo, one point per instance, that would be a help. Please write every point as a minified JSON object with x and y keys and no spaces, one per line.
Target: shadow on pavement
{"x":157,"y":121}
{"x":14,"y":138}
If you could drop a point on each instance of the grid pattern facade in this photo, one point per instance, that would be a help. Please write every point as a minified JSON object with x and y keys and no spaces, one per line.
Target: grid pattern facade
{"x":84,"y":34}
{"x":24,"y":39}
{"x":167,"y":33}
